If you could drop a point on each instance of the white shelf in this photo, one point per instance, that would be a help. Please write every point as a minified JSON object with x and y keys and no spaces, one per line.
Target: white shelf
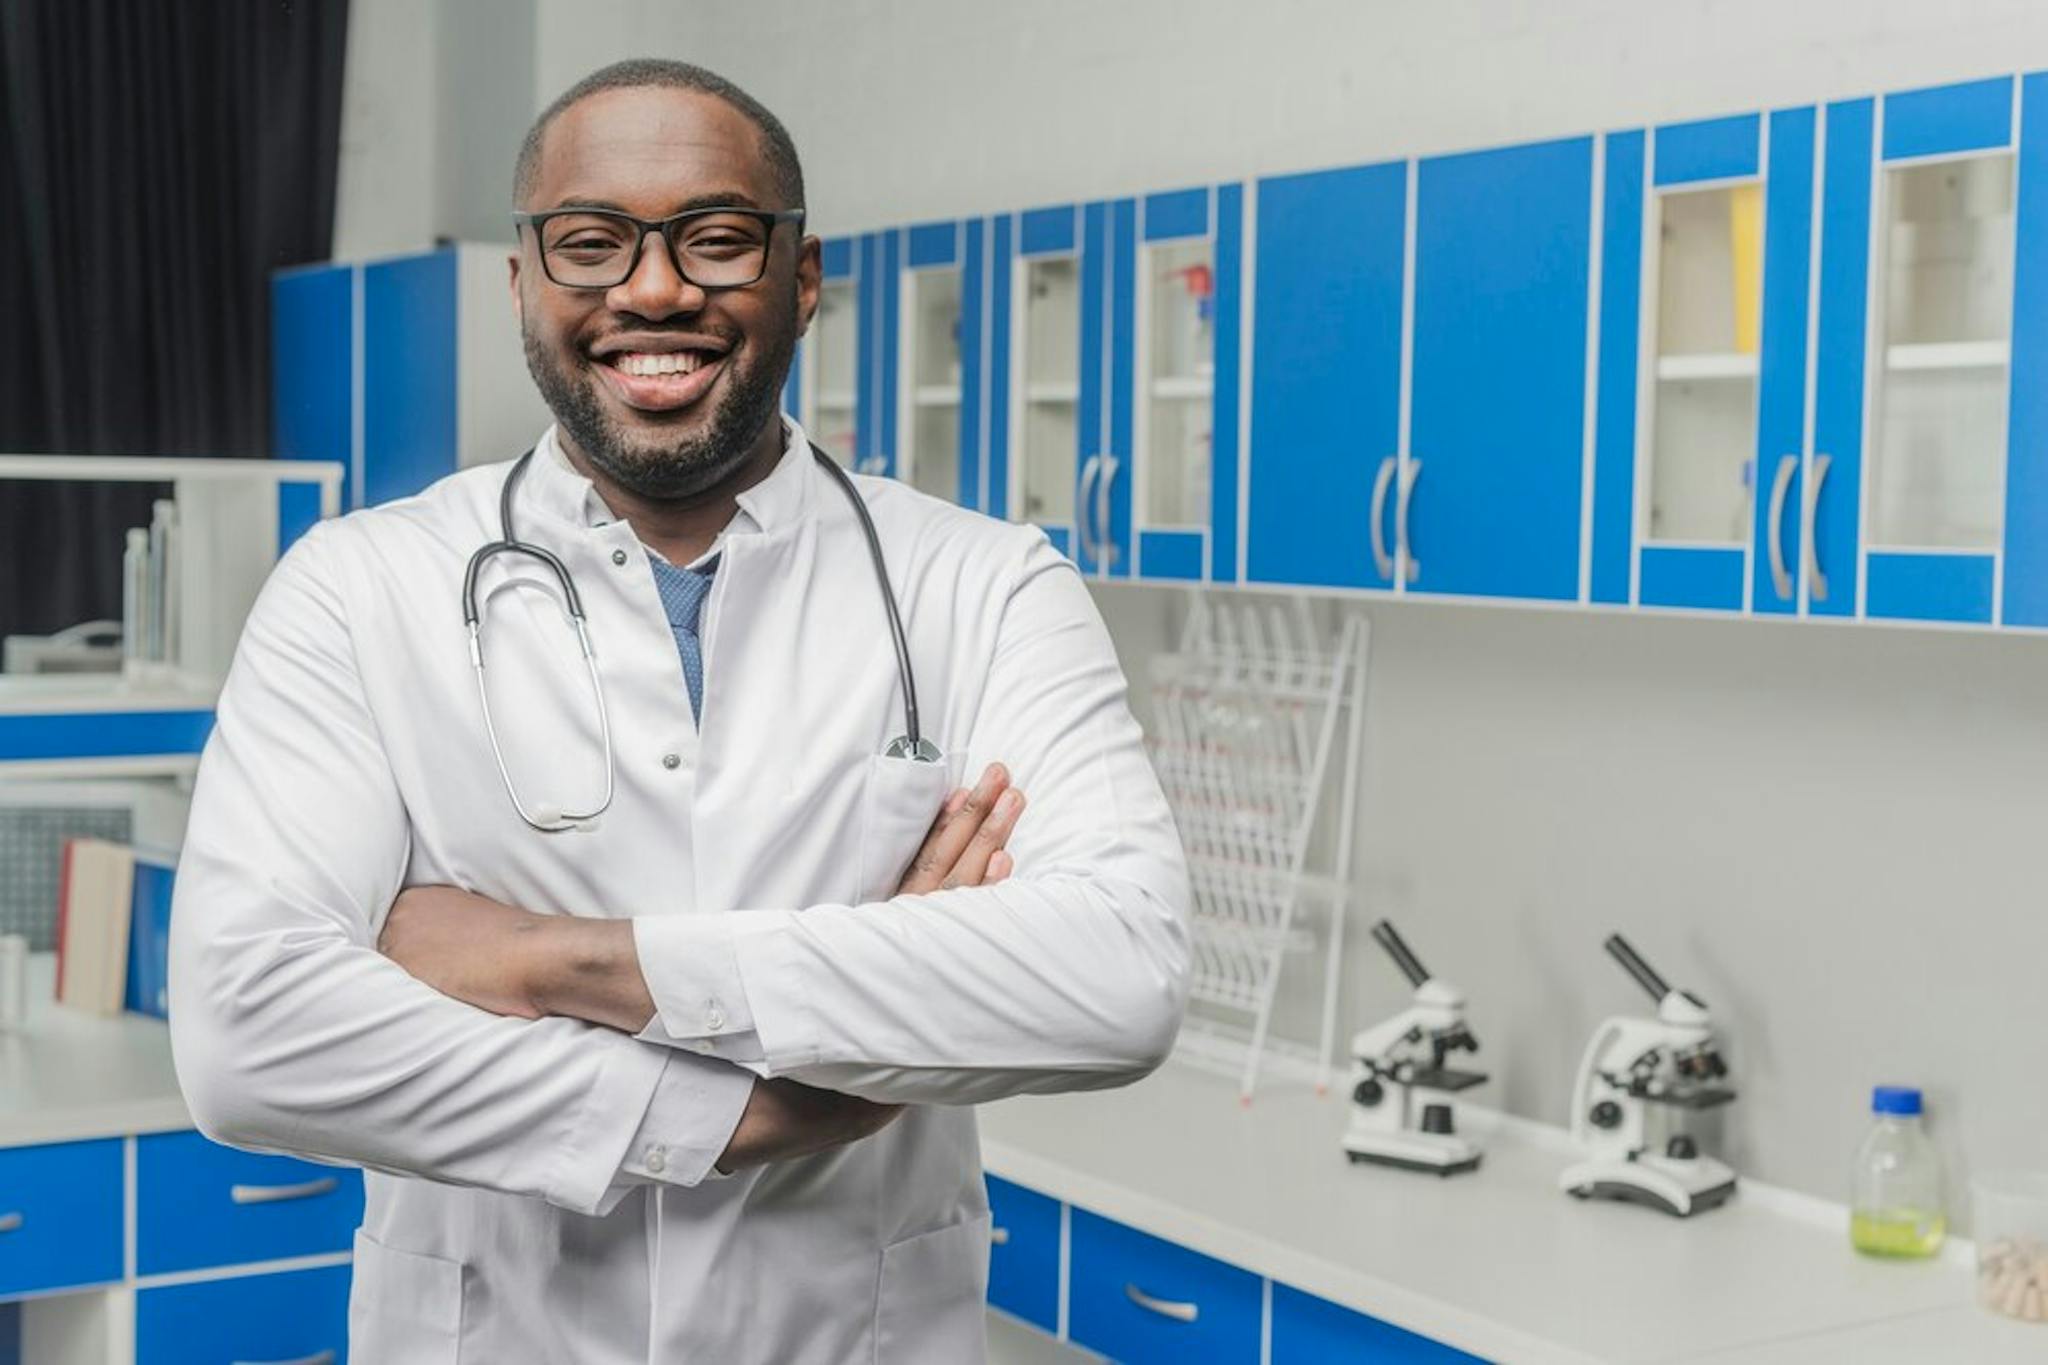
{"x":834,"y":399}
{"x":1713,"y":365}
{"x":1182,"y":386}
{"x":1948,"y":355}
{"x":1052,"y":393}
{"x":936,"y":395}
{"x":60,"y":694}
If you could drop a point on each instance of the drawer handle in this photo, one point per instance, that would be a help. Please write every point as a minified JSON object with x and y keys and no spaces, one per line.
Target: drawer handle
{"x":1165,"y":1308}
{"x":10,"y":1222}
{"x":999,"y":1236}
{"x":278,"y":1194}
{"x":317,"y":1358}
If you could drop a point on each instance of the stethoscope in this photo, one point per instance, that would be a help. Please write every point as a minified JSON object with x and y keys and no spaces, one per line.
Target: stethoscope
{"x":550,"y":819}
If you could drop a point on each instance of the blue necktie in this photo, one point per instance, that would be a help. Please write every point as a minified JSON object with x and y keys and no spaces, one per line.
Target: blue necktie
{"x":682,"y":596}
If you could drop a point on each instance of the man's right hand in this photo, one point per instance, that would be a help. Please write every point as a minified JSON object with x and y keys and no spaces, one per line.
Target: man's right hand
{"x":784,"y":1120}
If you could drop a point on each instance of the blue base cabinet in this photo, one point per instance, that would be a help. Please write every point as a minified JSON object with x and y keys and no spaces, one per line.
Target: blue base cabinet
{"x":1137,"y":1298}
{"x":294,"y":1316}
{"x":1312,"y":1331}
{"x":60,"y":1216}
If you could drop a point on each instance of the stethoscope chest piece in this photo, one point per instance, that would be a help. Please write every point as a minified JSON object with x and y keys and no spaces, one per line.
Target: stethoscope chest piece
{"x":916,"y":750}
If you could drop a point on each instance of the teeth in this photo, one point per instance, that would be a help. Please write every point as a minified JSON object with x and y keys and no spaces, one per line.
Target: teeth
{"x":667,"y":362}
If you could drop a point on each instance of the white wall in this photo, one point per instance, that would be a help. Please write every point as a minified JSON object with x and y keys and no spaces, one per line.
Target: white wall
{"x":1831,"y":833}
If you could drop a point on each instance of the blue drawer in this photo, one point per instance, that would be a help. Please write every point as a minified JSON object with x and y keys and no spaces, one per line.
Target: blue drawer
{"x":1137,"y":1299}
{"x":1024,"y":1258}
{"x":200,"y":1204}
{"x":60,"y":1208}
{"x":299,"y":1316}
{"x":1312,"y":1331}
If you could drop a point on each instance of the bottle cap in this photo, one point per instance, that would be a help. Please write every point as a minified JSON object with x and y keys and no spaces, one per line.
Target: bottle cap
{"x":1895,"y":1099}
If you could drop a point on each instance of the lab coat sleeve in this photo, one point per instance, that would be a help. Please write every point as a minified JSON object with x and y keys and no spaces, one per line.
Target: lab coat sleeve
{"x":1071,"y":974}
{"x":292,"y":1033}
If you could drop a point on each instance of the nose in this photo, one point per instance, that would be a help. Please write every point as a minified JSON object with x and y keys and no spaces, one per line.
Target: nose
{"x":656,"y":289}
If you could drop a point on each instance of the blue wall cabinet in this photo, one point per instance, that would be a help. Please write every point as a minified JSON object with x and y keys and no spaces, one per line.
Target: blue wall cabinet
{"x":823,"y":390}
{"x":1489,"y":500}
{"x":1327,"y":409}
{"x":878,"y":296}
{"x":1702,"y":410}
{"x":1072,"y":313}
{"x":939,"y":361}
{"x":1188,"y":308}
{"x":403,"y":369}
{"x":1935,"y":322}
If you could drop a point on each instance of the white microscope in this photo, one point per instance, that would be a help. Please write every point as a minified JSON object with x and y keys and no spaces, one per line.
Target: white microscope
{"x":1401,"y":1111}
{"x":1630,"y":1065}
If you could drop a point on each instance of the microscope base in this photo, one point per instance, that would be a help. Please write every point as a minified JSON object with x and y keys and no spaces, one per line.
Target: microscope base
{"x":1430,"y":1153}
{"x":1409,"y":1163}
{"x":1680,"y":1189}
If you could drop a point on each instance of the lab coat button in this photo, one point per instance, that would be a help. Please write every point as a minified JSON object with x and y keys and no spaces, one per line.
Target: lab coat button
{"x":671,"y":761}
{"x":657,"y":1159}
{"x":714,"y":1018}
{"x":618,"y":556}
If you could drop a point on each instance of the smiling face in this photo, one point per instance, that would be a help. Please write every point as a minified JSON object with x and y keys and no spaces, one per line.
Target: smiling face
{"x":662,"y":386}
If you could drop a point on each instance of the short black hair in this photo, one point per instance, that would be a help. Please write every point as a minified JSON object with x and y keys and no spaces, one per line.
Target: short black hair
{"x":777,"y":149}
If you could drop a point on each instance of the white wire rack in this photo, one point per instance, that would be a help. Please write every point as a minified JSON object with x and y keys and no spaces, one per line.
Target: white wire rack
{"x":1248,"y":716}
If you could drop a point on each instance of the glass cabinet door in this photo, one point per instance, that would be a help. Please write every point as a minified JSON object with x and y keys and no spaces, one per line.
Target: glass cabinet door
{"x":1048,"y":309}
{"x":1701,"y":398}
{"x":931,"y":364}
{"x":1177,"y":367}
{"x":1937,"y":477}
{"x":830,"y":383}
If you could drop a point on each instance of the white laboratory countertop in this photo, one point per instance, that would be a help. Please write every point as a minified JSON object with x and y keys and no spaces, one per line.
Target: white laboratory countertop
{"x":69,"y":1075}
{"x":1499,"y":1262}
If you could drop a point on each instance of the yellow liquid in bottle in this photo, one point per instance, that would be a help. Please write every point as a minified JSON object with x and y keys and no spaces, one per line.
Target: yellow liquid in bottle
{"x":1897,"y":1232}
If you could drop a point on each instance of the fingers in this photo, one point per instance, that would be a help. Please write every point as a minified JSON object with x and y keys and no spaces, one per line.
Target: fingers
{"x":1000,"y":865}
{"x":959,"y":818}
{"x":971,"y":868}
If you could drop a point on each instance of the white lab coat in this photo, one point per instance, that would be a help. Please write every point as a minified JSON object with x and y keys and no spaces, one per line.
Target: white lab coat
{"x":542,"y":1191}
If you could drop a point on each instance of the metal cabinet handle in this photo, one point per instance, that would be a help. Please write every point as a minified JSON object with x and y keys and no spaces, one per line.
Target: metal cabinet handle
{"x":1774,"y":527}
{"x":1816,"y":581}
{"x":1410,"y":472}
{"x":278,"y":1194}
{"x":1105,"y":542}
{"x":1381,"y":560}
{"x":10,"y":1222}
{"x":1089,"y":469}
{"x":317,"y":1358}
{"x":1165,"y":1308}
{"x":999,"y":1236}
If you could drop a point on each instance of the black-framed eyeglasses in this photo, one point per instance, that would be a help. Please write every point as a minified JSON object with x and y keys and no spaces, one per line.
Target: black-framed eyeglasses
{"x":712,"y":248}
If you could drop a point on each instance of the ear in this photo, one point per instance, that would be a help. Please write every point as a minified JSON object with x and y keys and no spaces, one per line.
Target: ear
{"x":512,"y":281}
{"x":810,"y":276}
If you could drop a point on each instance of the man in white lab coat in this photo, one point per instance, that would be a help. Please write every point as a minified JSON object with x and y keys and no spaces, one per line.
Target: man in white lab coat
{"x":691,"y":1082}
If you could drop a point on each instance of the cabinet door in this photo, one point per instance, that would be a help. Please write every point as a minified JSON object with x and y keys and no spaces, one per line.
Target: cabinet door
{"x":1102,"y":491}
{"x":1311,"y":1331}
{"x":879,"y":294}
{"x":1944,"y":375}
{"x":824,"y":383}
{"x":1024,"y":1254}
{"x":1138,"y":1299}
{"x":934,"y":434}
{"x":297,"y":1317}
{"x":410,"y":353}
{"x":1188,"y":297}
{"x":1780,"y":478}
{"x":60,"y":1215}
{"x":1497,"y":451}
{"x":2025,"y":600}
{"x":1326,"y":329}
{"x":1048,"y":333}
{"x":312,"y":400}
{"x":200,"y":1204}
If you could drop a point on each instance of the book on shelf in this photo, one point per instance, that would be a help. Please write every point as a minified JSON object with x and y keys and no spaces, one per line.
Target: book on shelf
{"x":95,"y":906}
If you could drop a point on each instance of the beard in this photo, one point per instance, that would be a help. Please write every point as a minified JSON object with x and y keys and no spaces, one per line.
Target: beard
{"x":653,"y":465}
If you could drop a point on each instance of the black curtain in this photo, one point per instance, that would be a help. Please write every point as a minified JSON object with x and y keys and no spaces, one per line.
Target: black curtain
{"x":158,"y":159}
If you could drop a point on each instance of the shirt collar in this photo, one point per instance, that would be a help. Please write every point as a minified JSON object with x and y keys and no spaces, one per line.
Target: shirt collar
{"x":559,"y":491}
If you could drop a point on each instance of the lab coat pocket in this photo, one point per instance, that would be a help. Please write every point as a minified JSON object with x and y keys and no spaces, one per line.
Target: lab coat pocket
{"x":903,"y":798}
{"x":404,"y":1308}
{"x":931,"y":1302}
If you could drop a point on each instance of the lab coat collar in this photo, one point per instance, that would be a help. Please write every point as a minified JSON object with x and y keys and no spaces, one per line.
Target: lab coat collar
{"x":554,"y":489}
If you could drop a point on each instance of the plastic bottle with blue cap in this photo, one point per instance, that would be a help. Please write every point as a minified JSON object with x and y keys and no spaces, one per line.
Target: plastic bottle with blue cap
{"x":1897,"y":1210}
